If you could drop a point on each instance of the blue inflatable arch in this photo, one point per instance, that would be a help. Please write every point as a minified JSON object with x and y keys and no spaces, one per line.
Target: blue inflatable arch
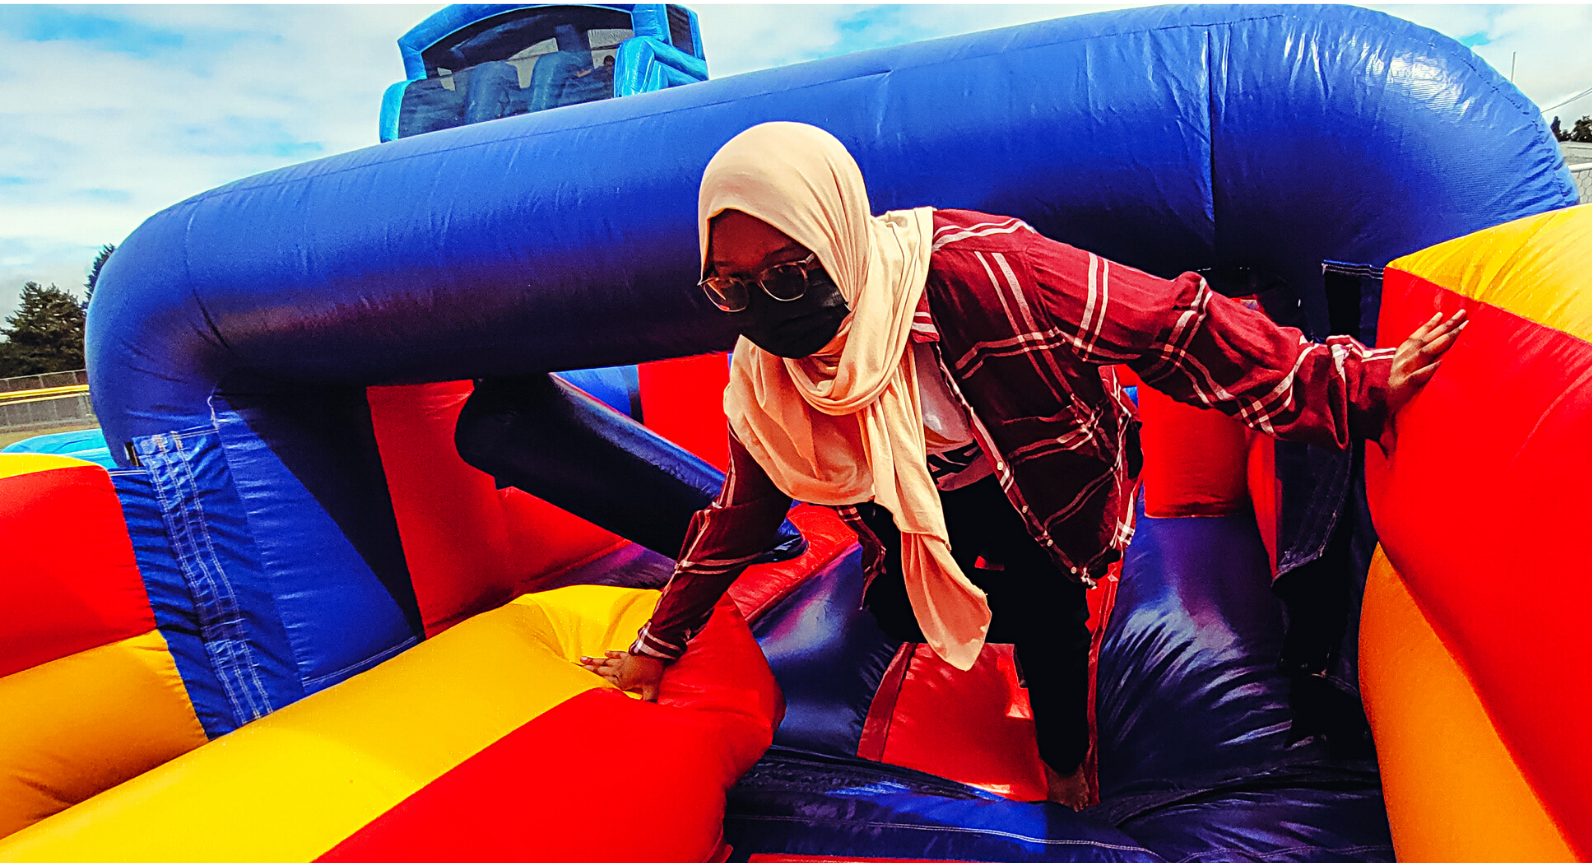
{"x":233,"y":334}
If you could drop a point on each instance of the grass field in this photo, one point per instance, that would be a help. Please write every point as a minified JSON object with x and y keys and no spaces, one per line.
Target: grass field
{"x":10,"y":437}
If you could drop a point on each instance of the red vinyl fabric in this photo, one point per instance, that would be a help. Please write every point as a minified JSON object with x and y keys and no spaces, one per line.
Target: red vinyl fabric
{"x":449,"y":519}
{"x":470,"y":547}
{"x":68,"y":581}
{"x":972,"y":726}
{"x":975,"y":727}
{"x":1265,"y":492}
{"x":1483,"y":510}
{"x":683,"y":400}
{"x":761,"y":587}
{"x":1195,"y":460}
{"x":570,"y":784}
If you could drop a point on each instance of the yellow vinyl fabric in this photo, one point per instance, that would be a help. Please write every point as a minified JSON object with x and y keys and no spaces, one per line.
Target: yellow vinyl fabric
{"x":74,"y":726}
{"x":1507,"y":266}
{"x":292,"y":785}
{"x":19,"y":463}
{"x":1453,"y":791}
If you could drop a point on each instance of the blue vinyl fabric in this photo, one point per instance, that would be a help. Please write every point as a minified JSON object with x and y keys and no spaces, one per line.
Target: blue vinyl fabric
{"x":1196,"y":632}
{"x":1193,"y":719}
{"x":828,"y":655}
{"x":86,"y":444}
{"x":190,"y":636}
{"x":456,"y":72}
{"x":1319,"y":818}
{"x":794,"y":802}
{"x":451,"y":19}
{"x":194,"y":547}
{"x":618,"y":387}
{"x":254,"y":316}
{"x":546,"y":437}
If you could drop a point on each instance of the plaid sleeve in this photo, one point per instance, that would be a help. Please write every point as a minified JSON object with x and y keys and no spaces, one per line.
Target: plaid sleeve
{"x":721,"y":540}
{"x":1218,"y":353}
{"x":1206,"y":350}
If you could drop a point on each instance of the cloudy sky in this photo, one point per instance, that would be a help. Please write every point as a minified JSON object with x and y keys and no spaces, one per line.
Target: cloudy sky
{"x":110,"y":113}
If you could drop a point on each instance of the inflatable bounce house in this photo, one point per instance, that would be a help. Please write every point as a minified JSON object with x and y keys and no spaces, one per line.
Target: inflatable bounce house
{"x":294,"y":623}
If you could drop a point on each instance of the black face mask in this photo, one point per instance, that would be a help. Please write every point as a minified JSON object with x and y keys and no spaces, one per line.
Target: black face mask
{"x":800,"y":327}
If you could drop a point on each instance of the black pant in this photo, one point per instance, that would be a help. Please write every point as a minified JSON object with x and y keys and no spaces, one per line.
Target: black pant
{"x":1033,"y":606}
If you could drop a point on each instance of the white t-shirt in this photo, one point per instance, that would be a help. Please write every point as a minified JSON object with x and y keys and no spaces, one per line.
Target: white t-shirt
{"x":955,"y":460}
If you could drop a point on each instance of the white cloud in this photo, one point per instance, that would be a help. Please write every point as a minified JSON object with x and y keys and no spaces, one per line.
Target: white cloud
{"x":99,"y":133}
{"x":745,"y":38}
{"x":122,"y":111}
{"x":1546,"y":43}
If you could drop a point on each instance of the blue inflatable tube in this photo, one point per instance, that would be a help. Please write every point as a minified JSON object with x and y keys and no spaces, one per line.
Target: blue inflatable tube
{"x":1168,"y":138}
{"x":233,"y":335}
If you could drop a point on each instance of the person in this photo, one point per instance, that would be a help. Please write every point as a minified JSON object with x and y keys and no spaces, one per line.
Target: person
{"x":945,"y":379}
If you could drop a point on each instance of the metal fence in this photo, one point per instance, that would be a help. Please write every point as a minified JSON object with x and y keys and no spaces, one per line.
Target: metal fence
{"x":1583,"y":180}
{"x":45,"y":401}
{"x":45,"y":381}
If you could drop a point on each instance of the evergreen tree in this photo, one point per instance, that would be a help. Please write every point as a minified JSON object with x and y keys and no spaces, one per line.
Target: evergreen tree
{"x":94,"y":272}
{"x":45,"y":335}
{"x":1580,"y":133}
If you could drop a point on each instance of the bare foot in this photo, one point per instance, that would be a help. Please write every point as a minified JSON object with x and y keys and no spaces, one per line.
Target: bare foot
{"x":1071,"y":791}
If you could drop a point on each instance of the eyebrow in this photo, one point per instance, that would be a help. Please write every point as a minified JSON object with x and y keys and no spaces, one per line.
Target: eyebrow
{"x":787,"y":249}
{"x":765,"y":261}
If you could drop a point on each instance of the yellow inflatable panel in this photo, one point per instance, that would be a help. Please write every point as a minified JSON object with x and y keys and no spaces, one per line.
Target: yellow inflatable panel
{"x":591,"y":619}
{"x":75,"y":726}
{"x":290,"y":786}
{"x":1553,"y":248}
{"x":19,"y":463}
{"x":1453,"y":791}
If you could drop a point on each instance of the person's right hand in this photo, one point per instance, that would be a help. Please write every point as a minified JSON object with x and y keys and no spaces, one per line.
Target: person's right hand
{"x":1418,"y":357}
{"x":627,"y":671}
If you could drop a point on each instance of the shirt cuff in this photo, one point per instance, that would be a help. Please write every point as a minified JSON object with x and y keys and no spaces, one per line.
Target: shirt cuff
{"x":646,"y":645}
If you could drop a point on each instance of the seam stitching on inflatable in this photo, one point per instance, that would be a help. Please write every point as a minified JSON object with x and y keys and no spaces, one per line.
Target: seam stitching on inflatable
{"x":936,"y":828}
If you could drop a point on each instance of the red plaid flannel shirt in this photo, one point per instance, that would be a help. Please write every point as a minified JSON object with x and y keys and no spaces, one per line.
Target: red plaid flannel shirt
{"x":1028,"y":331}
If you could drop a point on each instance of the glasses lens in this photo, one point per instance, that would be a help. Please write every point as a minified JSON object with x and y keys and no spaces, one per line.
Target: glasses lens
{"x":786,"y":282}
{"x":728,"y":294}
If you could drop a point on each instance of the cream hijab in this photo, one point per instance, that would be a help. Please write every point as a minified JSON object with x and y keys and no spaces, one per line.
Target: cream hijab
{"x":846,"y":425}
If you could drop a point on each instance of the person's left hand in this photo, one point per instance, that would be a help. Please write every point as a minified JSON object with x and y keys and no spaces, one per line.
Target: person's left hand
{"x":1416,"y":360}
{"x":627,"y":671}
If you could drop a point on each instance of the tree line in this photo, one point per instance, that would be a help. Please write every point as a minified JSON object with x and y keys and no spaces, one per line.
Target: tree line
{"x":1581,"y":132}
{"x":46,"y":332}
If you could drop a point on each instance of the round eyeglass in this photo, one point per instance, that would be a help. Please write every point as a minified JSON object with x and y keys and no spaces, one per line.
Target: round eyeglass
{"x":784,"y":282}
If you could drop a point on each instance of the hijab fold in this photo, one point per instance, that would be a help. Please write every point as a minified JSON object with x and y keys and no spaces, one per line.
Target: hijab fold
{"x":845,"y":425}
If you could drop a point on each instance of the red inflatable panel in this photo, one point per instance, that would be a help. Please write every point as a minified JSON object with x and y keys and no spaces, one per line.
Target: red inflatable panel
{"x":881,"y":711}
{"x":683,"y":400}
{"x":975,"y":727}
{"x":545,"y":540}
{"x":972,"y":726}
{"x":1507,"y":420}
{"x":68,"y":581}
{"x":469,"y":546}
{"x":1265,"y":491}
{"x":449,"y":519}
{"x":1195,"y":460}
{"x":601,"y":777}
{"x":761,"y":587}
